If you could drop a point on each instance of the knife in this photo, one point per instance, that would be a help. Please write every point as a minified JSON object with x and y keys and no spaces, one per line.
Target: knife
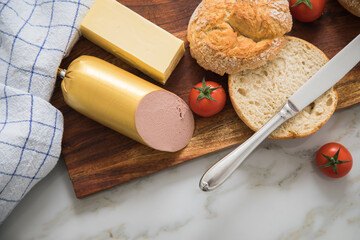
{"x":322,"y":81}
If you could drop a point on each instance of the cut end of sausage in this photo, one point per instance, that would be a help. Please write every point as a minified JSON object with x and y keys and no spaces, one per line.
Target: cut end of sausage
{"x":164,"y":121}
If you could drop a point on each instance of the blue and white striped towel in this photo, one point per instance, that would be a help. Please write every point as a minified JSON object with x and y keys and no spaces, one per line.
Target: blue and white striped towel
{"x":34,"y":37}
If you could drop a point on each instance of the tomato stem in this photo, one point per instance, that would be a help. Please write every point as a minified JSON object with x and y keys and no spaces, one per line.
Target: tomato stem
{"x":306,"y":2}
{"x":205,"y":91}
{"x":333,"y":161}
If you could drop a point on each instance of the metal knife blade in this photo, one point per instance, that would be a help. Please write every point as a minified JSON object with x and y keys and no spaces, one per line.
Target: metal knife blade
{"x":323,"y":80}
{"x":327,"y":76}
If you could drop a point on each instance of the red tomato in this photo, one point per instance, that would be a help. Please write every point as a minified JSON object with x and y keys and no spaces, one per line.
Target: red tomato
{"x":306,"y":10}
{"x":334,"y":160}
{"x":207,"y":98}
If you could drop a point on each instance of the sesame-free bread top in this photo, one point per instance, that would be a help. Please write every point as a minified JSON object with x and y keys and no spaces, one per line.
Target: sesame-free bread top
{"x":353,"y":6}
{"x":227,"y":36}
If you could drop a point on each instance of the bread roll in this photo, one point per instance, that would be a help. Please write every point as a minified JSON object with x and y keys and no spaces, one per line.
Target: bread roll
{"x":352,"y":6}
{"x":228,"y":36}
{"x":258,"y":94}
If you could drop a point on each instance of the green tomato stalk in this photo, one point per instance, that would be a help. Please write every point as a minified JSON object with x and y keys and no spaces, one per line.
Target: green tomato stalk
{"x":205,"y":91}
{"x":306,"y":2}
{"x":333,"y":161}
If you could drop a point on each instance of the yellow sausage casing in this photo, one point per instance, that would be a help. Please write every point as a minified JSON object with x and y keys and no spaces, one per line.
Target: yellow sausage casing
{"x":127,"y":104}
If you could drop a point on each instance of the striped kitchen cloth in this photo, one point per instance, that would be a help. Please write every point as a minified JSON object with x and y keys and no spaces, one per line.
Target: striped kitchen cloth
{"x":35,"y":35}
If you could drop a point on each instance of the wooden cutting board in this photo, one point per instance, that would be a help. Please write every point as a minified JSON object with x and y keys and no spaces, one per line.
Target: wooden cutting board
{"x":98,"y":158}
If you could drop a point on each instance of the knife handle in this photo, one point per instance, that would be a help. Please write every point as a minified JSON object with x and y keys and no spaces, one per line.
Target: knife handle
{"x":221,"y":170}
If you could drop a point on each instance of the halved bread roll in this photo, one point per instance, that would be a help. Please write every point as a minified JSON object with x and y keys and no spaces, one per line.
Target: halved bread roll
{"x":259,"y":93}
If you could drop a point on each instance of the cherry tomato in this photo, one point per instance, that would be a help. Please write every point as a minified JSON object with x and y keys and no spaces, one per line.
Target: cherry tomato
{"x":207,"y":98}
{"x":306,"y":10}
{"x":334,"y":160}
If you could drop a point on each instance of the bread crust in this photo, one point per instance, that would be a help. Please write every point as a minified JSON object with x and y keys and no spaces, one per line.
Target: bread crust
{"x":353,"y":6}
{"x":291,"y":134}
{"x":227,"y":36}
{"x":294,"y":135}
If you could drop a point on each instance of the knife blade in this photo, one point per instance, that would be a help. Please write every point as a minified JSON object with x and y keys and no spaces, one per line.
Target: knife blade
{"x":327,"y":76}
{"x":318,"y":84}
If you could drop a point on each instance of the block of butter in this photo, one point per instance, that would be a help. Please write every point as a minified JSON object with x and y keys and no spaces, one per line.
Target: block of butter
{"x":133,"y":38}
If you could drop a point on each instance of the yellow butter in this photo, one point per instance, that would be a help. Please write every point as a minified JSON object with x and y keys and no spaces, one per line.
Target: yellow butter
{"x":105,"y":93}
{"x":133,"y":38}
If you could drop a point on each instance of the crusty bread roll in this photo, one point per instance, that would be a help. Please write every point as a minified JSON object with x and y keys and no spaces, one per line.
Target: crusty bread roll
{"x":352,"y":6}
{"x":259,"y":93}
{"x":227,"y":36}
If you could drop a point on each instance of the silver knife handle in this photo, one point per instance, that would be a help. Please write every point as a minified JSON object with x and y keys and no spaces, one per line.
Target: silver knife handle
{"x":221,"y":170}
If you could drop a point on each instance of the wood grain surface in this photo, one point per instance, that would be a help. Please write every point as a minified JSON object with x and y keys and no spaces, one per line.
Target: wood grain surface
{"x":98,"y":158}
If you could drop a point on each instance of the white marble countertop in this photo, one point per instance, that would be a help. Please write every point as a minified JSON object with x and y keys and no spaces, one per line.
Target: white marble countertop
{"x":278,"y":193}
